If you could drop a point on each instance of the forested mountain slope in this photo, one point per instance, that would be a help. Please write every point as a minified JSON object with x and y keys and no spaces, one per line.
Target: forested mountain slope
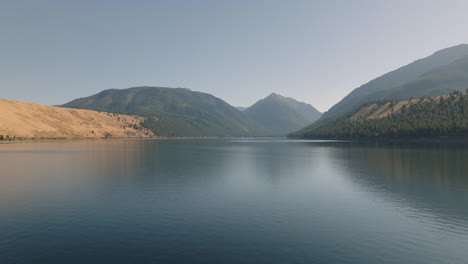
{"x":174,"y":111}
{"x":441,"y":116}
{"x":441,"y":73}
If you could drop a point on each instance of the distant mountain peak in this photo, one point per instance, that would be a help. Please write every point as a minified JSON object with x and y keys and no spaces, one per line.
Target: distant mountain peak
{"x":282,"y":114}
{"x":278,"y":97}
{"x":274,"y":96}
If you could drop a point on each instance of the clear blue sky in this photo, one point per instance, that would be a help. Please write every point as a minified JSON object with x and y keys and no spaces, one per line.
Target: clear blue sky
{"x":315,"y":51}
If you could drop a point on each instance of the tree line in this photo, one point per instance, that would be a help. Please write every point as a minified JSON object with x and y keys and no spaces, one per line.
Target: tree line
{"x":7,"y":138}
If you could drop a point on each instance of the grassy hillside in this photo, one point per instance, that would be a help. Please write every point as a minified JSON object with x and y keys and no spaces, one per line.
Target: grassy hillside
{"x":441,"y":116}
{"x":174,"y":111}
{"x":21,"y":120}
{"x":281,"y":114}
{"x":441,"y":73}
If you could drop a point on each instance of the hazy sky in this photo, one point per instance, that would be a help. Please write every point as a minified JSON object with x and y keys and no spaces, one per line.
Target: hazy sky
{"x":239,"y":50}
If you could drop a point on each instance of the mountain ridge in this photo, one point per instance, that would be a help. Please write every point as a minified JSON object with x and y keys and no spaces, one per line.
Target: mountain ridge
{"x":174,"y":111}
{"x":376,"y":88}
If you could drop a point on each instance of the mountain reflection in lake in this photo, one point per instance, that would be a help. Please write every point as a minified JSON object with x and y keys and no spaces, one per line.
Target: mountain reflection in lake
{"x":233,"y":201}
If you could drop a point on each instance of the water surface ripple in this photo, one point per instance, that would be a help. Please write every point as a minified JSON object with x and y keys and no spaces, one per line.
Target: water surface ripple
{"x":233,"y":201}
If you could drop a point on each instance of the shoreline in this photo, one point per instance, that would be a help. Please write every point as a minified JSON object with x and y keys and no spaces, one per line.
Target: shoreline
{"x":448,"y":140}
{"x":113,"y":139}
{"x":445,"y":140}
{"x":70,"y":140}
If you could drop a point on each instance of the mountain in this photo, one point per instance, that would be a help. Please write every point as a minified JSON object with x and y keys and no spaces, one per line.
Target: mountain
{"x":439,"y":116}
{"x":441,"y":73}
{"x":281,"y":114}
{"x":21,"y":120}
{"x":174,"y":111}
{"x":439,"y":81}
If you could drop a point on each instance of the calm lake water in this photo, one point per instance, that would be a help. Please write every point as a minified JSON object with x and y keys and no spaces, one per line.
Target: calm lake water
{"x":233,"y":201}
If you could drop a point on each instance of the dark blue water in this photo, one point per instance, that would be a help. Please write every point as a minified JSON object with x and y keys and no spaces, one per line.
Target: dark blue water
{"x":233,"y":201}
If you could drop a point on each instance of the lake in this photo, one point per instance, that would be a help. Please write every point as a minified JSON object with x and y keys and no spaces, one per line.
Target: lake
{"x":233,"y":201}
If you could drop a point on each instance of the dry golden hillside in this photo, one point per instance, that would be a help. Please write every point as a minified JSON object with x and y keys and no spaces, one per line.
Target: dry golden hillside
{"x":376,"y":111}
{"x":35,"y":121}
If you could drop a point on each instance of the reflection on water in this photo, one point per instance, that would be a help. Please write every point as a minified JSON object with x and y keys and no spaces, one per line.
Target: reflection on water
{"x":233,"y":201}
{"x":434,"y":176}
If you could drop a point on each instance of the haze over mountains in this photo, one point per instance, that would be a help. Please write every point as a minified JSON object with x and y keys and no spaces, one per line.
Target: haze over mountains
{"x":181,"y":112}
{"x":281,"y":114}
